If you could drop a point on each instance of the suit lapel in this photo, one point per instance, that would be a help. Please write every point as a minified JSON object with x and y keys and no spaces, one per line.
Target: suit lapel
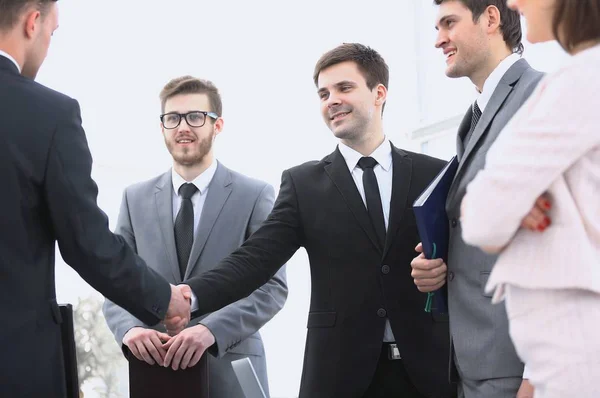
{"x":219,"y":190}
{"x":463,"y":129}
{"x":505,"y":86}
{"x":401,"y":179}
{"x":338,"y":171}
{"x":498,"y":98}
{"x":163,"y":197}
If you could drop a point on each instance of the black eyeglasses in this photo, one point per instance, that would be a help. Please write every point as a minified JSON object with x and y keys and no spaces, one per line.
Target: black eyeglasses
{"x":194,"y":118}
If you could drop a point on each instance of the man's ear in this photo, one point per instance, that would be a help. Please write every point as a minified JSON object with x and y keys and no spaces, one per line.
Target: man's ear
{"x":381,"y":95}
{"x":219,"y":123}
{"x":493,"y":19}
{"x":32,"y":24}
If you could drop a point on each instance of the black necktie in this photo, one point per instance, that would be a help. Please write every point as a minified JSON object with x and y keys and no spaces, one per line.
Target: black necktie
{"x":474,"y":119}
{"x":373,"y":197}
{"x":184,"y":226}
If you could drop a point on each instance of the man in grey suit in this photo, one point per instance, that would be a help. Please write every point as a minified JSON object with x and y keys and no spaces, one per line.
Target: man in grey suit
{"x":482,"y":41}
{"x":185,"y":221}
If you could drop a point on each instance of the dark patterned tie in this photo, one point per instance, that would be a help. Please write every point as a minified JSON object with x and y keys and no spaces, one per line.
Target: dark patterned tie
{"x":184,"y":226}
{"x":373,"y":197}
{"x":474,"y":120}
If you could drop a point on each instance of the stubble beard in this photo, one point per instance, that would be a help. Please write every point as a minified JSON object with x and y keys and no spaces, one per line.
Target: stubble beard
{"x":192,"y":156}
{"x":355,"y":131}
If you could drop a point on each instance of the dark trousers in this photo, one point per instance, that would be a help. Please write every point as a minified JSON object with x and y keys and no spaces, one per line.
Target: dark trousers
{"x":391,"y":380}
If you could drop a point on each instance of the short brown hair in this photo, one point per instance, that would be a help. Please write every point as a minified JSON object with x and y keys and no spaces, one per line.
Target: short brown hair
{"x":510,"y":20}
{"x":369,"y":62}
{"x":192,"y":85}
{"x":10,"y":10}
{"x":575,"y":22}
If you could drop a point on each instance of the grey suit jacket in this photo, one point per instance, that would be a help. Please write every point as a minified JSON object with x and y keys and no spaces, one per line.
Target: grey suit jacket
{"x":479,"y":330}
{"x":235,"y":207}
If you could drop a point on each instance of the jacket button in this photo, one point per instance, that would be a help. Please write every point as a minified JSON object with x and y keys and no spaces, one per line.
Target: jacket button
{"x":385,"y":269}
{"x":450,"y":276}
{"x":381,"y":313}
{"x":453,"y":223}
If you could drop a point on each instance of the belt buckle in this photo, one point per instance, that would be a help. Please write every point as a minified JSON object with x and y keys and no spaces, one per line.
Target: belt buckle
{"x":393,"y":352}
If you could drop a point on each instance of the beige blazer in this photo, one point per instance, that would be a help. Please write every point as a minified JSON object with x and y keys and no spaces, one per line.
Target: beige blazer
{"x":551,"y":145}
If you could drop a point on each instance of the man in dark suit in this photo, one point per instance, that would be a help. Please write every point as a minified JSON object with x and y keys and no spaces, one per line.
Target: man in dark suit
{"x":481,"y":41}
{"x":368,"y":333}
{"x":48,"y":196}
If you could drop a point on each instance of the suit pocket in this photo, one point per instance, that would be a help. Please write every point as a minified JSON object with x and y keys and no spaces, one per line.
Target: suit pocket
{"x":321,"y":319}
{"x":483,"y":278}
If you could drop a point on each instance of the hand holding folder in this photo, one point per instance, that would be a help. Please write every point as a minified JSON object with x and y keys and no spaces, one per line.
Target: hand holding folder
{"x":432,"y":224}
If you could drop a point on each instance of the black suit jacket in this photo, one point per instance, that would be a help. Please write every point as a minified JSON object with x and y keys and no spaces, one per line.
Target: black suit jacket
{"x":355,"y":285}
{"x":48,"y":195}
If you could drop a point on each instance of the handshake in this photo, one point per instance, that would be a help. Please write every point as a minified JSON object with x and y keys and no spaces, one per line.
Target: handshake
{"x":179,"y":352}
{"x":179,"y":312}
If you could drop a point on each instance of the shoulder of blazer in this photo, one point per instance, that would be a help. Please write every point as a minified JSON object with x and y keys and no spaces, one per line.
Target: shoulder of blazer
{"x":420,"y":159}
{"x":423,"y":167}
{"x":524,"y":80}
{"x":529,"y":80}
{"x":312,"y":166}
{"x":148,"y":187}
{"x":241,"y":181}
{"x":522,"y":74}
{"x":40,"y":96}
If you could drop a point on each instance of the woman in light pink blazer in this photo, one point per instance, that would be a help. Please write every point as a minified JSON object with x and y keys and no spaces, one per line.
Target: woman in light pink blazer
{"x":550,"y":277}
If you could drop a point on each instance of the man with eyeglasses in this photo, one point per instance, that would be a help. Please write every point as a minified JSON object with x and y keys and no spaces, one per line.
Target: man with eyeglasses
{"x":185,"y":221}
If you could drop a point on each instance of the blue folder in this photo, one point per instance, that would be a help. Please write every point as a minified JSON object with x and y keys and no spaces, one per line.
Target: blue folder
{"x":432,"y":224}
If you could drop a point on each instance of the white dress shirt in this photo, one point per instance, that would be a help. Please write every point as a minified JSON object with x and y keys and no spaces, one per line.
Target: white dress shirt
{"x":383,"y":172}
{"x":493,"y":79}
{"x":202,"y":182}
{"x":198,"y":198}
{"x":6,"y":55}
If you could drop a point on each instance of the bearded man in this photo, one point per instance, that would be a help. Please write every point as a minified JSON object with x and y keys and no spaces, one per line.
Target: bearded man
{"x":183,"y":223}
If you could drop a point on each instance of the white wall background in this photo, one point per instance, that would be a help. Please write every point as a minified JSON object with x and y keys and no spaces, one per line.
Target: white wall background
{"x":115,"y":56}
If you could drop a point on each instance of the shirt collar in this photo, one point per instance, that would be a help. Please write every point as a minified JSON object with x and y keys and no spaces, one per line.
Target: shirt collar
{"x":382,"y":154}
{"x":14,"y":61}
{"x":201,"y":182}
{"x":494,"y":78}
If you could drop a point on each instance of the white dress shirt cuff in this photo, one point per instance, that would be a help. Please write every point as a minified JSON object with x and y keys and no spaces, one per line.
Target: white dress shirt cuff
{"x":194,"y":302}
{"x":526,"y":373}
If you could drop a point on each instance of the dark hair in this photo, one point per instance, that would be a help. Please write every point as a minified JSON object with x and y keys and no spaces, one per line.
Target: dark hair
{"x":369,"y":62}
{"x":192,"y":85}
{"x":575,"y":22}
{"x":510,"y":21}
{"x":10,"y":10}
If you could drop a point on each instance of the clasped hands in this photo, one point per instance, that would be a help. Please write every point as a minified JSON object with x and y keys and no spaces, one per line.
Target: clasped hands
{"x":179,"y":348}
